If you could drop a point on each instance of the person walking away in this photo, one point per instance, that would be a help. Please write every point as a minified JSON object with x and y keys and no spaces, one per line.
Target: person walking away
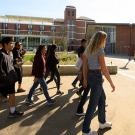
{"x":93,"y":65}
{"x":51,"y":65}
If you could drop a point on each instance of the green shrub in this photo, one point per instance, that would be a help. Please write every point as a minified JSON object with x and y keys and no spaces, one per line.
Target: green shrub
{"x":29,"y":58}
{"x":65,"y":58}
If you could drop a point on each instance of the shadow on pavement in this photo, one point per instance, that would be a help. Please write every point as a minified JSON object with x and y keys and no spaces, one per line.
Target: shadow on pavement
{"x":101,"y":132}
{"x":58,"y":119}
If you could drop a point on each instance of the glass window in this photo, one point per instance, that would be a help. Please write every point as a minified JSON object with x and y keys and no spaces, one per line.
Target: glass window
{"x":30,"y":26}
{"x":68,"y":13}
{"x":72,"y":22}
{"x":53,"y":28}
{"x":41,"y":27}
{"x":73,"y":28}
{"x":68,"y":22}
{"x":72,"y":13}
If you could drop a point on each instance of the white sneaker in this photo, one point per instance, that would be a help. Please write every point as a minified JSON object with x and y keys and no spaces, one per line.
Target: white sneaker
{"x":90,"y":133}
{"x":105,"y":125}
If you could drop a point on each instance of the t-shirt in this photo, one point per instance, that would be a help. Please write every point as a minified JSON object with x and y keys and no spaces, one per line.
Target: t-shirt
{"x":79,"y":63}
{"x":93,"y":61}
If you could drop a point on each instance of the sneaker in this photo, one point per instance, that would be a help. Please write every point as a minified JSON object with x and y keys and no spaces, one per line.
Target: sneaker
{"x":105,"y":125}
{"x":29,"y":102}
{"x":80,"y":114}
{"x":20,"y":90}
{"x":51,"y":102}
{"x":59,"y":93}
{"x":41,"y":89}
{"x":78,"y":93}
{"x":90,"y":133}
{"x":73,"y":85}
{"x":15,"y":114}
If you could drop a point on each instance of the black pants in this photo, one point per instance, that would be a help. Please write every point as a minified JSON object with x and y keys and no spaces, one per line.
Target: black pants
{"x":83,"y":98}
{"x":75,"y":80}
{"x":19,"y":74}
{"x":55,"y":74}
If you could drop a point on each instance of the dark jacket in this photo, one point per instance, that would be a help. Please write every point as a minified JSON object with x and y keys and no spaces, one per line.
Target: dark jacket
{"x":16,"y":55}
{"x":6,"y":68}
{"x":51,"y":60}
{"x":38,"y":69}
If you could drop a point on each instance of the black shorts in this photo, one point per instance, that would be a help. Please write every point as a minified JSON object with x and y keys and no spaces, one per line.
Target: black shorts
{"x":7,"y":89}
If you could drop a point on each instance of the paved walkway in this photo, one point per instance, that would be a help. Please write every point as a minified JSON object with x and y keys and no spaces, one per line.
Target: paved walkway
{"x":60,"y":119}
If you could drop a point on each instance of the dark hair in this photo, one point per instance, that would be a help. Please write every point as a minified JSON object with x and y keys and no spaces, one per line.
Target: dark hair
{"x":83,"y":40}
{"x":53,"y":47}
{"x":48,"y":49}
{"x":39,"y":49}
{"x":16,"y":43}
{"x":6,"y":40}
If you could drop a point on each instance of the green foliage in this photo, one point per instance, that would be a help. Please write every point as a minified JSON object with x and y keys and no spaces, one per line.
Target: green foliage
{"x":29,"y":57}
{"x":65,"y":58}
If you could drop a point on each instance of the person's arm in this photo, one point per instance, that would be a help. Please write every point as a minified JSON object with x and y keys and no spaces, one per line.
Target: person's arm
{"x":85,"y":70}
{"x":105,"y":71}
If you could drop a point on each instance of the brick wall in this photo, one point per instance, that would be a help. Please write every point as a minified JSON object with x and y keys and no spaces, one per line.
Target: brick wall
{"x":123,"y":39}
{"x":24,"y":29}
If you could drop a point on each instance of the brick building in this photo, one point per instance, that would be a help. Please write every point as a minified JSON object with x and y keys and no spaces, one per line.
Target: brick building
{"x":68,"y":32}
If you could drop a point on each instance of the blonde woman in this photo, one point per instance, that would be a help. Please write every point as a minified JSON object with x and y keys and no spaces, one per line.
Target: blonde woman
{"x":93,"y":68}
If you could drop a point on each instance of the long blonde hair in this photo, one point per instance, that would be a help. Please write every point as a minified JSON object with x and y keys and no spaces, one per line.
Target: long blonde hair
{"x":97,"y":41}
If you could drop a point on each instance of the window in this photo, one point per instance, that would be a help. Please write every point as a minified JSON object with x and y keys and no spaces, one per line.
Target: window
{"x":30,"y":27}
{"x":72,"y":13}
{"x":18,"y":26}
{"x":68,"y":22}
{"x":72,"y":22}
{"x":53,"y":28}
{"x":41,"y":27}
{"x":62,"y":28}
{"x":68,"y":13}
{"x":72,"y":28}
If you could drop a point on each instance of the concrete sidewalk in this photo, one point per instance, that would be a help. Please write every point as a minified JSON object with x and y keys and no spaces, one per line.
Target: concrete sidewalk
{"x":60,"y":119}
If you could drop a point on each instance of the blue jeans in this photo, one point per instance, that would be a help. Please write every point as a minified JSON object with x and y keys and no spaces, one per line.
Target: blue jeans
{"x":43,"y":84}
{"x":97,"y":98}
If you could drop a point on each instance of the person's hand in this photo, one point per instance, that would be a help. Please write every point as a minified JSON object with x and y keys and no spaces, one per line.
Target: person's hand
{"x":113,"y":87}
{"x":84,"y":83}
{"x":35,"y":79}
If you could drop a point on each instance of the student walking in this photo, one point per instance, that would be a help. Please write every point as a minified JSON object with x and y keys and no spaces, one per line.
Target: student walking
{"x":51,"y":65}
{"x":8,"y":76}
{"x":18,"y":54}
{"x":93,"y":65}
{"x":80,"y":51}
{"x":38,"y":70}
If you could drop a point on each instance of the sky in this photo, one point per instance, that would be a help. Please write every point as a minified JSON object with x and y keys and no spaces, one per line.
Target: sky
{"x":102,"y":11}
